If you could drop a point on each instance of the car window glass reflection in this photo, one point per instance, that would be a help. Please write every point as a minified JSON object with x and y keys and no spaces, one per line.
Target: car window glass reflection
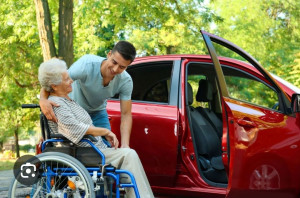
{"x":252,"y":91}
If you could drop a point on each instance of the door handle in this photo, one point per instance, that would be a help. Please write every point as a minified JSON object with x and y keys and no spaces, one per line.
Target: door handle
{"x":246,"y":123}
{"x":109,"y":118}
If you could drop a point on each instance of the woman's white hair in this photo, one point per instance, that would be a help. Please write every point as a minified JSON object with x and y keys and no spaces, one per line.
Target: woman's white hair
{"x":50,"y":73}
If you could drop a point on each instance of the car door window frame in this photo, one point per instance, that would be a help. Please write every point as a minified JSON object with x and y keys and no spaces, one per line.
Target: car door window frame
{"x":258,"y":80}
{"x":174,"y":81}
{"x":284,"y":101}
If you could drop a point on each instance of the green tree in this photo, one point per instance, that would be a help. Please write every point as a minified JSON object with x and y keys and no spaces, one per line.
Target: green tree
{"x":19,"y":57}
{"x":65,"y":44}
{"x":268,"y":30}
{"x":154,"y":27}
{"x":161,"y":27}
{"x":295,"y":73}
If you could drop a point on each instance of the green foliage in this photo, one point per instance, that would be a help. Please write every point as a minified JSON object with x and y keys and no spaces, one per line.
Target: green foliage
{"x":269,"y":30}
{"x":27,"y":147}
{"x":7,"y":165}
{"x":154,"y":27}
{"x":92,"y":34}
{"x":252,"y":91}
{"x":8,"y":154}
{"x":168,"y":27}
{"x":19,"y":59}
{"x":295,"y":71}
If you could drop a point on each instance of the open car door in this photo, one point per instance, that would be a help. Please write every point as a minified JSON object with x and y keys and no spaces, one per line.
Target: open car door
{"x":258,"y":131}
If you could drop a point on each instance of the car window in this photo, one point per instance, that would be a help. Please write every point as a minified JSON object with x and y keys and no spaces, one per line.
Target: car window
{"x":247,"y":88}
{"x":159,"y":92}
{"x":263,"y":92}
{"x":151,"y":81}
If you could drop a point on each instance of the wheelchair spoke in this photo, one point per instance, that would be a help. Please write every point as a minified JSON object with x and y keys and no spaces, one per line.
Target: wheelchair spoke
{"x":60,"y":176}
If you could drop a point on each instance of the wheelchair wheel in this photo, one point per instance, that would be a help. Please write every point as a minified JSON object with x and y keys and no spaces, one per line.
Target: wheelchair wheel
{"x":60,"y":175}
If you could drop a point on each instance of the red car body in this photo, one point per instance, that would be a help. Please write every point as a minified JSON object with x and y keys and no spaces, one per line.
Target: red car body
{"x":259,"y":145}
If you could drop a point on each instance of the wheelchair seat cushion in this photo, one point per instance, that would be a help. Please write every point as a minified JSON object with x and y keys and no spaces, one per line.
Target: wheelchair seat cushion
{"x":86,"y":155}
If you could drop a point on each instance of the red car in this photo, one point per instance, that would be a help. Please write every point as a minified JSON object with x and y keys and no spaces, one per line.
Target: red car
{"x":212,"y":126}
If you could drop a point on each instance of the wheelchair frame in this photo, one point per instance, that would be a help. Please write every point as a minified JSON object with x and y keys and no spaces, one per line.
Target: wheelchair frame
{"x":98,"y":173}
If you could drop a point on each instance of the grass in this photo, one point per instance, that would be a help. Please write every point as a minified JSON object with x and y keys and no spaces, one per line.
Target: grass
{"x":7,"y":164}
{"x":7,"y":159}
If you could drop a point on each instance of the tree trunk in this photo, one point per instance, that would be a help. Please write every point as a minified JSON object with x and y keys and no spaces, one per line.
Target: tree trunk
{"x":65,"y":49}
{"x":170,"y":49}
{"x":45,"y":29}
{"x":16,"y":135}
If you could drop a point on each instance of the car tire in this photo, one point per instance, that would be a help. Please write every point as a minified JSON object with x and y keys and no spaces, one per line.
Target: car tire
{"x":267,"y":175}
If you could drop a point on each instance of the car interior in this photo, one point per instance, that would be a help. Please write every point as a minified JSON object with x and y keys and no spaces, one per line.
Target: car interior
{"x":151,"y":81}
{"x":152,"y":84}
{"x":204,"y":110}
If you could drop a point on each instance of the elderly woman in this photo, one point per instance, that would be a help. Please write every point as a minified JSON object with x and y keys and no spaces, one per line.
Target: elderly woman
{"x":74,"y":122}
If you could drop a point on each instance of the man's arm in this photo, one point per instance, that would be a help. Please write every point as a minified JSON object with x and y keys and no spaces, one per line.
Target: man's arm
{"x":126,"y":122}
{"x":46,"y":105}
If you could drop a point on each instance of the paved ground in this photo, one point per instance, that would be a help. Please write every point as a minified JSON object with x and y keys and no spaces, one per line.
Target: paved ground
{"x":5,"y":180}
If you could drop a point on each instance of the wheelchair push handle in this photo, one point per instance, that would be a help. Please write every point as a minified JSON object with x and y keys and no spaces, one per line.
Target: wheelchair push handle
{"x":30,"y":106}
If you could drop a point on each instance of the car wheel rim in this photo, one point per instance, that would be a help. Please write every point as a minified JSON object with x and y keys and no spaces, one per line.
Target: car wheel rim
{"x":265,"y":177}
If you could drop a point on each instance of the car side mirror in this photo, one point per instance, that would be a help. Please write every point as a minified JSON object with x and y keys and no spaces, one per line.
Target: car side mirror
{"x":295,"y":103}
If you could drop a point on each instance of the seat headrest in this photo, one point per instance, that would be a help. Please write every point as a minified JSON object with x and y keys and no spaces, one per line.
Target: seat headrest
{"x":205,"y":91}
{"x":190,"y":93}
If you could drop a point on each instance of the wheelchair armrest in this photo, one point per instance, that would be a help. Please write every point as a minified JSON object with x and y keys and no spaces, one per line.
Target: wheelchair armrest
{"x":56,"y":135}
{"x":60,"y":136}
{"x":90,"y":137}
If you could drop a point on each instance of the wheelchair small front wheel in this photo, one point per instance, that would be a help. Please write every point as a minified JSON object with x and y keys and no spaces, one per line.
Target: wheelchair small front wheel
{"x":60,"y":175}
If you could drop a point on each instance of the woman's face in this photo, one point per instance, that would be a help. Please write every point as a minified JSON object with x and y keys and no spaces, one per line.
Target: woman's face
{"x":65,"y":86}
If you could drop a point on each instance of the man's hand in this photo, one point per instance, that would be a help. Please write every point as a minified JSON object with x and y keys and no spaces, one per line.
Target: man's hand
{"x":113,"y":140}
{"x":46,"y":107}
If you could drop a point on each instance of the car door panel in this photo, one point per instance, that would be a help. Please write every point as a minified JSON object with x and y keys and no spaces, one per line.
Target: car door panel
{"x":154,"y":137}
{"x":157,"y":127}
{"x":260,"y":141}
{"x":265,"y":148}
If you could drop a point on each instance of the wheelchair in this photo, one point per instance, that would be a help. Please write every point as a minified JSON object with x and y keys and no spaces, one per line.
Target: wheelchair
{"x":71,"y":171}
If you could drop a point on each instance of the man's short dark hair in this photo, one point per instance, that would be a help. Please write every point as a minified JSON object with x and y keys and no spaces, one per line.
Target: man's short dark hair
{"x":126,"y":49}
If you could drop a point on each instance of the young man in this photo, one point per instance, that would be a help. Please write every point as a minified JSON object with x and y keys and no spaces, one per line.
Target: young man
{"x":95,"y":80}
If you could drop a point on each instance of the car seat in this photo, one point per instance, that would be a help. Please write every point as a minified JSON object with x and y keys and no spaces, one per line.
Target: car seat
{"x":208,"y":144}
{"x":205,"y":94}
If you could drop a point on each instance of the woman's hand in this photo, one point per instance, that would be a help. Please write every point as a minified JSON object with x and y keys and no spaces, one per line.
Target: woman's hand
{"x":99,"y":131}
{"x":113,"y":140}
